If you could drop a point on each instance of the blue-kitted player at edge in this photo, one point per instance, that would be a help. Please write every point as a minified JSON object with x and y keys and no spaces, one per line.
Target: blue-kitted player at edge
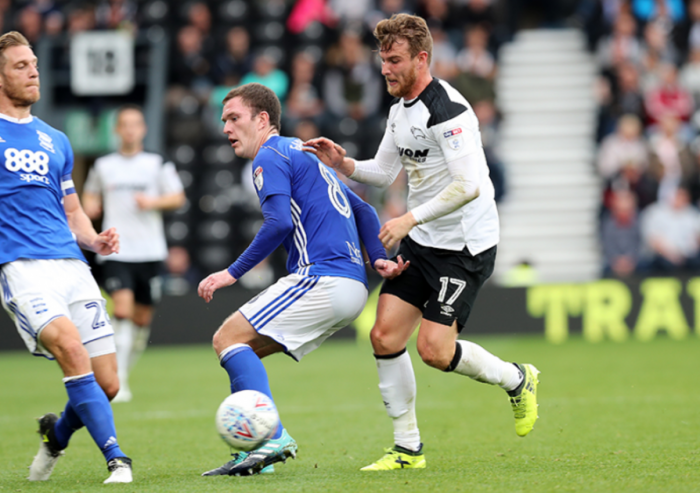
{"x":320,"y":222}
{"x":45,"y":283}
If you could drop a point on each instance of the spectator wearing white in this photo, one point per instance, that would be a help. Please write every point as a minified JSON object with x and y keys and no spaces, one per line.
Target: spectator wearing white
{"x":671,"y":233}
{"x":625,"y":147}
{"x":671,"y":160}
{"x":621,"y":45}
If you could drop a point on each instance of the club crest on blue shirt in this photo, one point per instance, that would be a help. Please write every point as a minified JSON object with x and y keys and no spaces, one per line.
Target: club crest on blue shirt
{"x":258,"y":178}
{"x":454,"y":138}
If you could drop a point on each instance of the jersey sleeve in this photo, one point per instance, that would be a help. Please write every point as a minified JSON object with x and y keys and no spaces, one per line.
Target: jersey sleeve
{"x":272,"y":174}
{"x":168,"y":180}
{"x":457,"y":137}
{"x":67,"y":185}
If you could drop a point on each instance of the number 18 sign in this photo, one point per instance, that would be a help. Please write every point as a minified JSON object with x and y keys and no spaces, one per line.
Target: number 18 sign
{"x":102,"y":63}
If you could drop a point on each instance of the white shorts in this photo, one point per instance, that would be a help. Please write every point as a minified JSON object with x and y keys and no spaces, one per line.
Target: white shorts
{"x":300,"y":312}
{"x":35,"y":292}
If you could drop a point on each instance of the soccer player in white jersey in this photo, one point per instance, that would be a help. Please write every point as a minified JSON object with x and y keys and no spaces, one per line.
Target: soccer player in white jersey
{"x":320,"y":222}
{"x":133,"y":188}
{"x":45,"y":282}
{"x":449,"y":235}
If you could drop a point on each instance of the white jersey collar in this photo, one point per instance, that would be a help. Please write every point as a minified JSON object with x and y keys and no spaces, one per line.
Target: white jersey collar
{"x":16,"y":120}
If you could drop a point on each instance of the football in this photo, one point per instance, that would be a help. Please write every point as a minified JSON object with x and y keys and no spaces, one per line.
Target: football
{"x":247,"y":419}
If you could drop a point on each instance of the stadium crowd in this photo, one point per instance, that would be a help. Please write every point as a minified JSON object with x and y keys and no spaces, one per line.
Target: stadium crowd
{"x":648,"y":54}
{"x":317,"y":56}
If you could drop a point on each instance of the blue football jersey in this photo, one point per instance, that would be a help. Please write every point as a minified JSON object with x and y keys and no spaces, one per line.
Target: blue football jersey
{"x":36,"y":162}
{"x":325,"y":241}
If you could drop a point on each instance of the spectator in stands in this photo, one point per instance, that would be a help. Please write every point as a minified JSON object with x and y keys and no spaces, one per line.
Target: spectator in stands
{"x":384,"y":10}
{"x":474,"y":57}
{"x":304,"y":101}
{"x":306,"y":130}
{"x":486,"y":113}
{"x":621,"y":45}
{"x":671,"y":160}
{"x":689,"y":75}
{"x":81,"y":18}
{"x":180,"y":276}
{"x":6,"y":20}
{"x":351,"y":86}
{"x":190,"y":66}
{"x":265,"y":72}
{"x":623,"y":97}
{"x":199,"y":16}
{"x":350,"y":12}
{"x":668,"y":98}
{"x":444,"y":60}
{"x":53,"y":23}
{"x":117,"y":14}
{"x":626,"y":147}
{"x":236,"y":61}
{"x":669,"y":11}
{"x":30,"y":23}
{"x":671,"y":234}
{"x":477,"y":12}
{"x":687,"y":34}
{"x":621,"y":236}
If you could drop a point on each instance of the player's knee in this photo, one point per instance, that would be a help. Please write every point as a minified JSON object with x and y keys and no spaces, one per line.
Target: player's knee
{"x":110,"y":388}
{"x":432,"y":355}
{"x":71,"y":351}
{"x":382,"y":340}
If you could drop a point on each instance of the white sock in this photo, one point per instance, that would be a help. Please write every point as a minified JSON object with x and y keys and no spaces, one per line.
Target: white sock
{"x":397,"y":383}
{"x":139,"y":344}
{"x":124,"y":341}
{"x":482,"y":366}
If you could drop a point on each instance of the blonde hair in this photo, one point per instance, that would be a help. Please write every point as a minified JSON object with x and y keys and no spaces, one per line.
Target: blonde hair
{"x":412,"y":28}
{"x":8,"y":40}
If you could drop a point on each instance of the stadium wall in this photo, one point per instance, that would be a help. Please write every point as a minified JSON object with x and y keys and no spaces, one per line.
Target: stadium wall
{"x":607,"y":309}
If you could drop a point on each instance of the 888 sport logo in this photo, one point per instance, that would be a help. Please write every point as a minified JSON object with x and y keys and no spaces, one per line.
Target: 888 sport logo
{"x":28,"y":162}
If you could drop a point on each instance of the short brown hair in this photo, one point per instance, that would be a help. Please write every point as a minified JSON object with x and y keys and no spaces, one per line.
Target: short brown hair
{"x":258,"y":98}
{"x":8,"y":40}
{"x":412,"y":28}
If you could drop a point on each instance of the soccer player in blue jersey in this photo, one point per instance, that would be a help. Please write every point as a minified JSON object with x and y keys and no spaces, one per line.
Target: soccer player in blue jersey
{"x":45,"y":283}
{"x":320,"y":223}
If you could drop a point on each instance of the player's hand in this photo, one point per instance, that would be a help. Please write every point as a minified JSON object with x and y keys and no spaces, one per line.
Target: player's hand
{"x":215,"y":281}
{"x":395,"y":230}
{"x":389,"y":269}
{"x":106,"y":242}
{"x":330,"y":153}
{"x":144,"y":202}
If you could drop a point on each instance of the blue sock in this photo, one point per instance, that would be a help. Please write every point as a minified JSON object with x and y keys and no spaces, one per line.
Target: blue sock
{"x":247,"y":372}
{"x":92,"y":408}
{"x":67,"y":424}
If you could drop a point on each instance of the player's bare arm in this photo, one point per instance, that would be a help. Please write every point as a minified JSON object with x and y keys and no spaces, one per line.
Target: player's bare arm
{"x":167,"y":202}
{"x":214,"y":281}
{"x":104,"y":243}
{"x":92,"y":205}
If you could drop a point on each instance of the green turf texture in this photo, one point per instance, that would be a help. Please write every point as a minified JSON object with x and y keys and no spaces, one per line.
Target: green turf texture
{"x":613,"y":418}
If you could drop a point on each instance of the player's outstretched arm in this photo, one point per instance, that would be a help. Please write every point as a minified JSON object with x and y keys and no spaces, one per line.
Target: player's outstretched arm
{"x":331,"y":154}
{"x":104,"y":243}
{"x":277,"y":224}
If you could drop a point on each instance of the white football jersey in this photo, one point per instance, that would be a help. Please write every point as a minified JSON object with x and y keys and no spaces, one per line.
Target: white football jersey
{"x":437,"y":127}
{"x":118,"y":179}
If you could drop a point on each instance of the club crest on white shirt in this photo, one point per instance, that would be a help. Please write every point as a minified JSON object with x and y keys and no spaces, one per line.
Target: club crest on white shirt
{"x":454,"y":138}
{"x":417,"y":133}
{"x":258,"y":178}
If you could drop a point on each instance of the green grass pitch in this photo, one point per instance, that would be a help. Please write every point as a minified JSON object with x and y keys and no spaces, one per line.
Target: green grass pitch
{"x":613,"y":417}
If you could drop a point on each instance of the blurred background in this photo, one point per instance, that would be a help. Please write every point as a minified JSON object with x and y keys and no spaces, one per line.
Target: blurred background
{"x":588,"y":114}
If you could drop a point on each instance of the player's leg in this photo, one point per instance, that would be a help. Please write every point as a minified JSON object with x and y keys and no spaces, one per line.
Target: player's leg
{"x":240,"y":349}
{"x":147,"y":293}
{"x":62,"y":339}
{"x":123,"y":302}
{"x":457,"y":280}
